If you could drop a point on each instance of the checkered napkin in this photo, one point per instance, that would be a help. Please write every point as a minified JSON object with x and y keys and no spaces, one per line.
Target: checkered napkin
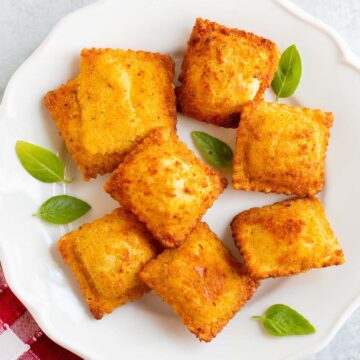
{"x":20,"y":336}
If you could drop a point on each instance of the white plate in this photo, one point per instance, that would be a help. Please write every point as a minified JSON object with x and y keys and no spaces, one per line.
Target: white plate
{"x":148,"y":328}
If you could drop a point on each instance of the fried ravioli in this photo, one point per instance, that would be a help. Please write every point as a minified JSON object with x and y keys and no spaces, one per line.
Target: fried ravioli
{"x":166,"y":186}
{"x":281,"y":149}
{"x":106,"y":257}
{"x":202,"y":282}
{"x":223,"y":69}
{"x":117,"y":99}
{"x":286,"y":238}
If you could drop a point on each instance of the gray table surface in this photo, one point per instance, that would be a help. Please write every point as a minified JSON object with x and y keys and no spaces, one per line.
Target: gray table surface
{"x":24,"y":24}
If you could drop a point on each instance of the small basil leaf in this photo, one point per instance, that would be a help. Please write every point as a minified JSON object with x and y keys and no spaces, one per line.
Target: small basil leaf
{"x":288,"y":74}
{"x":282,"y":320}
{"x":62,"y":209}
{"x":215,"y":151}
{"x":40,"y":163}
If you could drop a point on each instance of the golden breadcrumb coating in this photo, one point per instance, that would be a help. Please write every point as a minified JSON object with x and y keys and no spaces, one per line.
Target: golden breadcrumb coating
{"x":286,"y":238}
{"x":223,"y":69}
{"x":166,"y":186}
{"x":117,"y":99}
{"x":202,"y":282}
{"x":281,"y":149}
{"x":106,"y":257}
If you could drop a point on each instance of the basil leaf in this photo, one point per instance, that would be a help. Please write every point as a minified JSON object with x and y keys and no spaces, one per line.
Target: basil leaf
{"x":288,"y":74}
{"x":282,"y":320}
{"x":215,"y":151}
{"x":40,"y":163}
{"x":62,"y":209}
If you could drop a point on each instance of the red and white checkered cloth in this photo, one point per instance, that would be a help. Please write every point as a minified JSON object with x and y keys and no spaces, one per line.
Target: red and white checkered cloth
{"x":20,"y":336}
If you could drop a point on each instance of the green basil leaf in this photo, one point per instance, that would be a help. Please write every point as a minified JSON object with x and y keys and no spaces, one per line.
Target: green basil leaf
{"x":40,"y":163}
{"x":282,"y":320}
{"x":215,"y":151}
{"x":62,"y":209}
{"x":288,"y":74}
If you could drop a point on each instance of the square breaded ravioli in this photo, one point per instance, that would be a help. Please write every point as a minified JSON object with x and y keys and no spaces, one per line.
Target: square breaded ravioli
{"x":166,"y":186}
{"x":116,"y":100}
{"x":202,"y":281}
{"x":281,"y":149}
{"x":286,"y":238}
{"x":223,"y":69}
{"x":106,"y":257}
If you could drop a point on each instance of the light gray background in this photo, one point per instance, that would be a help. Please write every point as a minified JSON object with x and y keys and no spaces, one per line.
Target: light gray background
{"x":25,"y":23}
